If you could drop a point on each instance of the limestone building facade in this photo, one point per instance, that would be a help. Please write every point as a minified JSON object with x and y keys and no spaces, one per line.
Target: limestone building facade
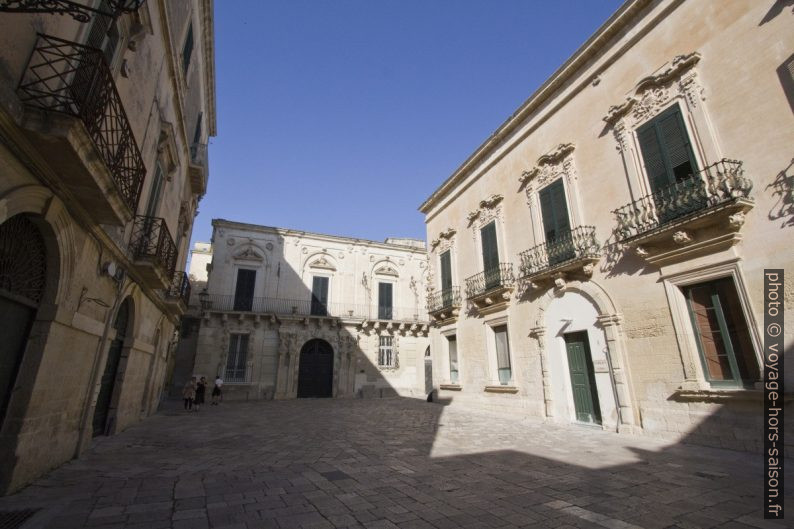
{"x":106,"y":108}
{"x":289,"y":314}
{"x":600,"y":258}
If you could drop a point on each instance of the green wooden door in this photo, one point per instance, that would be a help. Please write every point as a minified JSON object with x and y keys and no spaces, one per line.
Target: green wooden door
{"x":490,"y":256}
{"x":556,"y":227}
{"x":319,"y":296}
{"x":446,"y":279}
{"x":580,"y":364}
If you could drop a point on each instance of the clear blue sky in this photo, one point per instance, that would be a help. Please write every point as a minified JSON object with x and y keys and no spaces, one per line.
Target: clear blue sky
{"x":343,"y":116}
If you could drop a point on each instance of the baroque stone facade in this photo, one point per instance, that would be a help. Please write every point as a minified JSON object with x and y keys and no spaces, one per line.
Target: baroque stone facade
{"x":273,"y":294}
{"x":644,"y":317}
{"x":104,"y":122}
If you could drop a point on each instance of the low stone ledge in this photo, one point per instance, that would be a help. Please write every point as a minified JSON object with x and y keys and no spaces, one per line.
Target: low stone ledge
{"x":450,"y":387}
{"x":501,"y":389}
{"x":712,"y":395}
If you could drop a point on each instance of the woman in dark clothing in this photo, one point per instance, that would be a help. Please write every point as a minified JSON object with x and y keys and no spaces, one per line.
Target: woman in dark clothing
{"x":201,"y":386}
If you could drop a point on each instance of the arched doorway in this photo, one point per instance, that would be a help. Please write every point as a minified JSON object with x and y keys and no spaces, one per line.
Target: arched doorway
{"x":120,"y":325}
{"x":316,"y":369}
{"x":23,"y":272}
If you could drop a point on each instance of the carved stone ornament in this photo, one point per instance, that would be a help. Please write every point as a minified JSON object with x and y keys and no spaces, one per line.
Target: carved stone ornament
{"x":444,"y":241}
{"x":555,"y":163}
{"x":652,"y":93}
{"x":588,"y":269}
{"x":269,"y":247}
{"x":323,"y":263}
{"x":682,"y":237}
{"x":387,"y":271}
{"x":736,"y":220}
{"x":248,"y":254}
{"x":642,"y":252}
{"x":559,"y":282}
{"x":490,"y":208}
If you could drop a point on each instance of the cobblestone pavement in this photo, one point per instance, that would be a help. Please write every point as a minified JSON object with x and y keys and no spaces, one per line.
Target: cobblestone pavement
{"x":384,"y":464}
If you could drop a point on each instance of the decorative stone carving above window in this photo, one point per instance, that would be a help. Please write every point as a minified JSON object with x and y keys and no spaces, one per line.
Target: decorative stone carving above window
{"x":444,"y":241}
{"x":387,"y":271}
{"x":558,"y":161}
{"x":654,"y":92}
{"x":248,"y":253}
{"x":322,"y":263}
{"x":490,"y":208}
{"x":166,"y":149}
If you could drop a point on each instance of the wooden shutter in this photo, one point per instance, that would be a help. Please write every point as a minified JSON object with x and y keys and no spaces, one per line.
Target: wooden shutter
{"x":739,"y":334}
{"x":502,"y":348}
{"x":452,"y":342}
{"x":384,"y":301}
{"x":446,"y":271}
{"x":490,"y":250}
{"x":710,"y":338}
{"x":554,"y":210}
{"x":666,"y":150}
{"x":157,"y":190}
{"x":244,"y":291}
{"x":653,"y":158}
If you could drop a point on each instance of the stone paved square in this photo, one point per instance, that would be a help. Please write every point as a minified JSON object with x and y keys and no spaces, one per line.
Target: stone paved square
{"x":388,"y":463}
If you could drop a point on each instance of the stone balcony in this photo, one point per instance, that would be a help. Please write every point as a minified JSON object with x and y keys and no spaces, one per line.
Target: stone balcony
{"x":75,"y":118}
{"x":177,"y":295}
{"x":490,"y":291}
{"x":699,"y":215}
{"x":198,"y":168}
{"x":574,"y":252}
{"x":153,"y":251}
{"x":444,"y":305}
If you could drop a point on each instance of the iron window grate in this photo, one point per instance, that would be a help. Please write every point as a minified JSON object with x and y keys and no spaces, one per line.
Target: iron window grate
{"x":15,"y":519}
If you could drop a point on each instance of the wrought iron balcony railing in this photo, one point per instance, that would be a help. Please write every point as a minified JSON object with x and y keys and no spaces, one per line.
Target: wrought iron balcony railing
{"x":74,"y":79}
{"x":78,"y":11}
{"x":443,"y":299}
{"x":303,"y":307}
{"x":179,"y":288}
{"x":578,"y":243}
{"x":716,"y":184}
{"x":491,"y":279}
{"x":152,"y":241}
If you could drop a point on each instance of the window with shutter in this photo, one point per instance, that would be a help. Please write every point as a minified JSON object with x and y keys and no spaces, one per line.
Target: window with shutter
{"x":237,"y":358}
{"x":502,"y":354}
{"x":490,"y":255}
{"x":187,"y":49}
{"x":666,"y":150}
{"x":319,"y":296}
{"x":384,"y":301}
{"x":721,"y":333}
{"x":556,"y":227}
{"x":446,"y":279}
{"x":452,"y":344}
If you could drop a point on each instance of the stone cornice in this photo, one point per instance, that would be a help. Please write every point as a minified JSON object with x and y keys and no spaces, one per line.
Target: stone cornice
{"x":208,"y":40}
{"x":617,"y":23}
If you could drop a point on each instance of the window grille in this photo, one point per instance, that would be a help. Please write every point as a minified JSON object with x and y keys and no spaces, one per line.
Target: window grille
{"x":386,"y":352}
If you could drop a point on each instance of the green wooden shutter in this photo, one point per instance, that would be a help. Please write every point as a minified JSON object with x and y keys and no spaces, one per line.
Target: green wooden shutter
{"x":653,"y":158}
{"x":384,"y":301}
{"x":187,"y":50}
{"x":502,"y":354}
{"x":554,"y":210}
{"x":490,"y":249}
{"x":244,"y":291}
{"x":446,"y":271}
{"x":319,"y":296}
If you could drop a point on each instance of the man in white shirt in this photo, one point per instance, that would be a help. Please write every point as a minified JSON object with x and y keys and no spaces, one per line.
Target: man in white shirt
{"x":217,"y":393}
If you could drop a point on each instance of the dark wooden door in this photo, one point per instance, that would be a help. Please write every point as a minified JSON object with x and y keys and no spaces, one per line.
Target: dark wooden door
{"x":446,"y":279}
{"x":319,"y":296}
{"x":385,"y":301}
{"x":580,"y":364}
{"x":15,"y":325}
{"x":108,"y":382}
{"x":316,"y":370}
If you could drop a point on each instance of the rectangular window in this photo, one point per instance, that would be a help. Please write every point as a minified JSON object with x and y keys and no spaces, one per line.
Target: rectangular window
{"x":446,"y":279}
{"x":319,"y":296}
{"x":490,"y":256}
{"x":556,"y":227}
{"x":502,"y":354}
{"x":721,"y":332}
{"x":385,"y":301}
{"x":385,"y":352}
{"x":236,"y":361}
{"x":187,"y":49}
{"x":244,"y":291}
{"x":452,"y":345}
{"x":104,"y":33}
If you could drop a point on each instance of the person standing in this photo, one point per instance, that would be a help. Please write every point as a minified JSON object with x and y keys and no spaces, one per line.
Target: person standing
{"x":189,"y":393}
{"x":217,"y":393}
{"x":201,"y":387}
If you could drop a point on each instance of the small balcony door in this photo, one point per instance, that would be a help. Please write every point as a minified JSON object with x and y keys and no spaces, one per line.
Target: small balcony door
{"x":244,"y":291}
{"x":556,"y":226}
{"x":490,"y":256}
{"x":319,"y":296}
{"x":670,"y":165}
{"x":385,"y":301}
{"x":580,"y":365}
